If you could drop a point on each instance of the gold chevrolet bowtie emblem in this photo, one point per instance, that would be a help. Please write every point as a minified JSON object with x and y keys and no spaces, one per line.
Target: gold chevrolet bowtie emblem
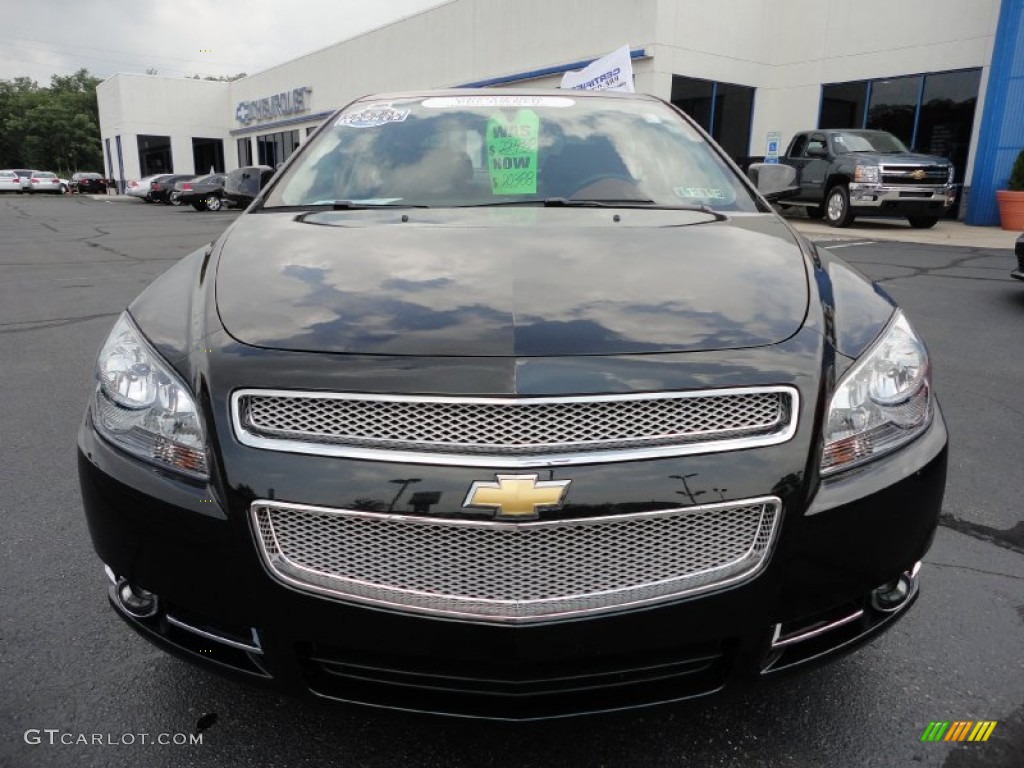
{"x":918,"y":174}
{"x":517,"y":497}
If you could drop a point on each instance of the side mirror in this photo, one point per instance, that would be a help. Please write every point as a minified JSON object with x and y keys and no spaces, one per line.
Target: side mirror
{"x":815,"y":151}
{"x":774,"y":180}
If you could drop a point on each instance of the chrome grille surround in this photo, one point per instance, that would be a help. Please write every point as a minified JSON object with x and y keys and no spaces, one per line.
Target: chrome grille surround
{"x":514,"y":432}
{"x":514,"y":572}
{"x":902,"y":174}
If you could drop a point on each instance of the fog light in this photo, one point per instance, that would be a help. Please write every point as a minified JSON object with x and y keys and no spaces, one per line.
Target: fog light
{"x":894,"y":595}
{"x":135,"y":601}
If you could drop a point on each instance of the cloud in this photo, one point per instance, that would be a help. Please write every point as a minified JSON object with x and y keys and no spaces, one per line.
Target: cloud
{"x":181,"y":38}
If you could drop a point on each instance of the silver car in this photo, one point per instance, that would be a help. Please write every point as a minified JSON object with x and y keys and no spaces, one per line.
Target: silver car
{"x":141,"y":188}
{"x":44,"y":181}
{"x":10,"y":181}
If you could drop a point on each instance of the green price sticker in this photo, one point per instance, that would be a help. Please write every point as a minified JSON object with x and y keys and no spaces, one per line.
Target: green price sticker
{"x":512,"y":153}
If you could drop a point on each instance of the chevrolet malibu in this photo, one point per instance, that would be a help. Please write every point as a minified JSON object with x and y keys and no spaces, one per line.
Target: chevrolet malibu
{"x":512,"y":405}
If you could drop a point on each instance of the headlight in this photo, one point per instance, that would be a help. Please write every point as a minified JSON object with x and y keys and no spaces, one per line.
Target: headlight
{"x":867,"y":174}
{"x":143,"y":407}
{"x":884,"y":401}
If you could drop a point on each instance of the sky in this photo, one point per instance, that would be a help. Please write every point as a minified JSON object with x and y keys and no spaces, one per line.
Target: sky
{"x":40,"y":38}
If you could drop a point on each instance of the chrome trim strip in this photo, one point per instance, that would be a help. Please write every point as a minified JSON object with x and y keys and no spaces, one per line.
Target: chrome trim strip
{"x":215,"y":637}
{"x":776,"y":643}
{"x":772,"y":504}
{"x":505,"y":461}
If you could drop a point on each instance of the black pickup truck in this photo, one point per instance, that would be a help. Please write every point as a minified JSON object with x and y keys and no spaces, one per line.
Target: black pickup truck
{"x":844,"y":173}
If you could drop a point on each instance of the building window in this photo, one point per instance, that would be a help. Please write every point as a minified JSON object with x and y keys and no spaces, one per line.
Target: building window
{"x":946,"y":116}
{"x":722,"y":109}
{"x":892,"y":106}
{"x":244,"y":152}
{"x":843,"y":105}
{"x":155,"y":155}
{"x":208,"y":155}
{"x":933,"y":113}
{"x":274,"y":148}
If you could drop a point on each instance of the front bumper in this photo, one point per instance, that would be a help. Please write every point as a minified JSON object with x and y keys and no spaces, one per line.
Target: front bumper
{"x":903,"y":199}
{"x":217,"y":604}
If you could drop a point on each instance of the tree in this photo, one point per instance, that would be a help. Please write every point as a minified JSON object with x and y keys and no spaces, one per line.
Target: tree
{"x":55,"y":128}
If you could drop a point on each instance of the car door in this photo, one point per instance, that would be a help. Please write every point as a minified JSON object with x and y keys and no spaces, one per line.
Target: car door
{"x":815,"y":167}
{"x":795,"y":157}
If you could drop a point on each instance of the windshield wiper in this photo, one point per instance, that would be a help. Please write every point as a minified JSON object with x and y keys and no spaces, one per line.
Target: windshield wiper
{"x":631,"y":202}
{"x":339,"y":205}
{"x":361,"y":205}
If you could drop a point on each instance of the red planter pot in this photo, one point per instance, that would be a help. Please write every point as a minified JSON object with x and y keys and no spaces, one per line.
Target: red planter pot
{"x":1011,"y":209}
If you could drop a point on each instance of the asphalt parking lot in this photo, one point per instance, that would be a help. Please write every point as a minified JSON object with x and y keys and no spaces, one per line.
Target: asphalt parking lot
{"x":68,"y":266}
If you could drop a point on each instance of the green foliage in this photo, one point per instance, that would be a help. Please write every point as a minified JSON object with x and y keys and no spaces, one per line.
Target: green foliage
{"x":51,"y":129}
{"x":218,"y":78}
{"x":1017,"y":174}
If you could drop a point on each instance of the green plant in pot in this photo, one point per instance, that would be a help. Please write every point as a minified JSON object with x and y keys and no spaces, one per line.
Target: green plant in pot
{"x":1011,"y":200}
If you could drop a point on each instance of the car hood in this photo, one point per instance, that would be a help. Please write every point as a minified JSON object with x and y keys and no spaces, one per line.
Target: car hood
{"x":510,"y":282}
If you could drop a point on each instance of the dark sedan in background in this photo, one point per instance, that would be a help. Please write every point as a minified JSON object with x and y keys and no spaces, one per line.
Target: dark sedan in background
{"x":161,"y":188}
{"x":512,"y":405}
{"x":205,"y":193}
{"x":88,"y":183}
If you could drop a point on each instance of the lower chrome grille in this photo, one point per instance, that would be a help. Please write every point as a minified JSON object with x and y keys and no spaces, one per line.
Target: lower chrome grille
{"x":514,"y":572}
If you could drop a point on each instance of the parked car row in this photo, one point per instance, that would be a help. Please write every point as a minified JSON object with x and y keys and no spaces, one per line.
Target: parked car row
{"x":209,"y":192}
{"x":23,"y":180}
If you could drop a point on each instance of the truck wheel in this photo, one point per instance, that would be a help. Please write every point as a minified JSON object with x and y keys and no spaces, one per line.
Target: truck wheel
{"x":814,"y":211}
{"x":922,"y":222}
{"x":837,"y":207}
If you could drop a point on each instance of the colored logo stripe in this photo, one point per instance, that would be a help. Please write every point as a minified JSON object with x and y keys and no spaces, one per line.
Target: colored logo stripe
{"x":982,"y":730}
{"x":958,"y":730}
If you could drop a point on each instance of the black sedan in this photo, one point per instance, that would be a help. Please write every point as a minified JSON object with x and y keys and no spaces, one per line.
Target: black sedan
{"x":88,"y":184}
{"x":512,"y":405}
{"x":205,"y":193}
{"x":161,"y":189}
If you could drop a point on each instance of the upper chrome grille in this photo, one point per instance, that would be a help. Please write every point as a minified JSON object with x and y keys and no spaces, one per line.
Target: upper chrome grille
{"x":514,"y":432}
{"x":514,"y":571}
{"x":904,"y":174}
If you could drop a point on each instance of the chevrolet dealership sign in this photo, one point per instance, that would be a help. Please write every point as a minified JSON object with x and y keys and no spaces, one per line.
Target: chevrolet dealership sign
{"x":279,"y":105}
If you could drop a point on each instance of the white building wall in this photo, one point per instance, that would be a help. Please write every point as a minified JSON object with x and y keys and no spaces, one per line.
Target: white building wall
{"x":460,"y":42}
{"x":785,"y":49}
{"x":133,"y":105}
{"x":829,"y":42}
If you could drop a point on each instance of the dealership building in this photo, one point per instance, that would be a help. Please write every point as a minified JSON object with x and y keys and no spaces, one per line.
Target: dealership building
{"x":946,"y":76}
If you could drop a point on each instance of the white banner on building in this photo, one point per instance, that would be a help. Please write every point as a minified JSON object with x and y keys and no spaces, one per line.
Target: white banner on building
{"x":612,"y":72}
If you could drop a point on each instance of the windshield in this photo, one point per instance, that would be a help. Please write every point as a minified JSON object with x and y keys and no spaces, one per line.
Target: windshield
{"x":867,"y":141}
{"x":510,"y":149}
